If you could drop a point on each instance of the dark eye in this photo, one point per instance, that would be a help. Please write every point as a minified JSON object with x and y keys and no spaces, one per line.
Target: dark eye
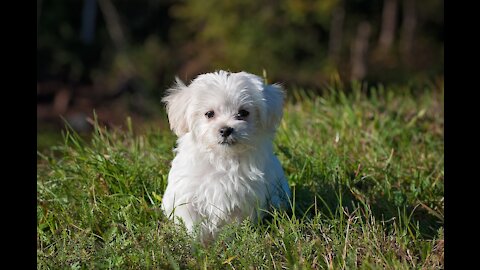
{"x":209,"y":114}
{"x":242,"y":114}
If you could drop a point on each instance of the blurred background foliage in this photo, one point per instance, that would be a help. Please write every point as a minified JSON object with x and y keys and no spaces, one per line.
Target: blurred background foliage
{"x":118,"y":56}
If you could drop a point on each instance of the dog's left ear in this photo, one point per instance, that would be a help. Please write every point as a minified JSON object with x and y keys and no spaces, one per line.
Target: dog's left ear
{"x":273,"y":95}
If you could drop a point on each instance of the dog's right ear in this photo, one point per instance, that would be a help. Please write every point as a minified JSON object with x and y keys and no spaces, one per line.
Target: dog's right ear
{"x":177,"y":100}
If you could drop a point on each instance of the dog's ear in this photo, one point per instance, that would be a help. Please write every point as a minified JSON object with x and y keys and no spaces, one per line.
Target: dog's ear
{"x":273,"y":95}
{"x":177,"y":100}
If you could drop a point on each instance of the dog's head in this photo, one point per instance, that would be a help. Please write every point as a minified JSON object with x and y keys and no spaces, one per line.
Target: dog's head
{"x":224,"y":110}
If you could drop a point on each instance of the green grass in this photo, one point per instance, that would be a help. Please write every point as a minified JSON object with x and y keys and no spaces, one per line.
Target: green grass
{"x":366,"y":169}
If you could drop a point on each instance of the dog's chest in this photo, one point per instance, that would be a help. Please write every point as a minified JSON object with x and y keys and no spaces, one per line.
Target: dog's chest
{"x":230,"y":193}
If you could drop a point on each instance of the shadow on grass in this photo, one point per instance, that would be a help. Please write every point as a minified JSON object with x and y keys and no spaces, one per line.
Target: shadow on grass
{"x":319,"y":194}
{"x":329,"y":199}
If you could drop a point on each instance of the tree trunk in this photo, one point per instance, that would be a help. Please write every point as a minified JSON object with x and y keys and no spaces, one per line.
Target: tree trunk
{"x":359,"y":51}
{"x":389,"y":20}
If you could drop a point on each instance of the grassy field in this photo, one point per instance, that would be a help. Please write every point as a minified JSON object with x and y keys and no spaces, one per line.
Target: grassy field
{"x":367,"y":172}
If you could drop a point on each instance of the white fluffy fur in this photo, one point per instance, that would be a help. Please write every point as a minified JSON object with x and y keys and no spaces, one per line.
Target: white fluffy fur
{"x":211,"y":184}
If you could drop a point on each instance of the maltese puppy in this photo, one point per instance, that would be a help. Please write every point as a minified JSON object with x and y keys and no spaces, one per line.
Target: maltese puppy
{"x":224,"y":169}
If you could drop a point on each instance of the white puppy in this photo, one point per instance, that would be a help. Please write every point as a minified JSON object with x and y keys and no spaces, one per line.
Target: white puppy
{"x":224,"y":170}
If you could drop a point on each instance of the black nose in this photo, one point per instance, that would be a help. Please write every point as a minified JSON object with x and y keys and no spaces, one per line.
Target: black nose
{"x":225,"y":131}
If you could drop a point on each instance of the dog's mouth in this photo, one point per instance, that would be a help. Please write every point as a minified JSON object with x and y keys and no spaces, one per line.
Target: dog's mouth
{"x":227,"y":141}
